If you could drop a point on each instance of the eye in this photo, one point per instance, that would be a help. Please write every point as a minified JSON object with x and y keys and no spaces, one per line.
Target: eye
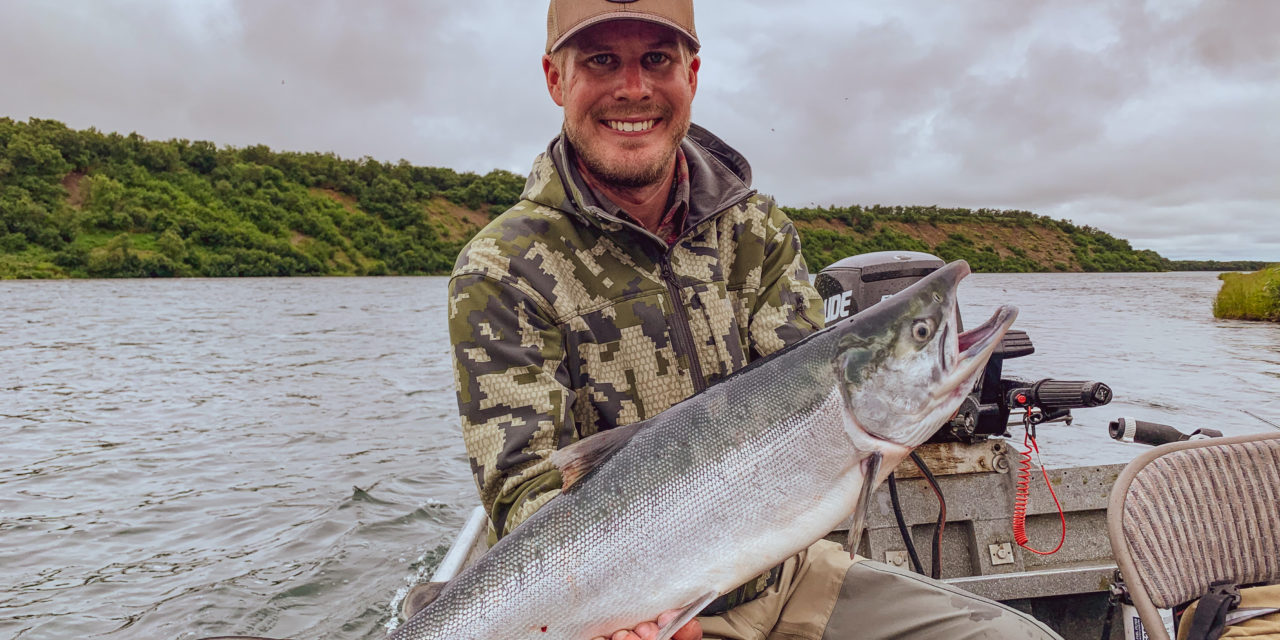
{"x":655,"y":58}
{"x":601,"y":59}
{"x":922,"y":330}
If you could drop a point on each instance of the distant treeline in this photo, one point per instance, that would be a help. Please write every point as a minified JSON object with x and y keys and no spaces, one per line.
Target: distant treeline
{"x":92,"y":204}
{"x":1216,"y":265}
{"x":990,"y":240}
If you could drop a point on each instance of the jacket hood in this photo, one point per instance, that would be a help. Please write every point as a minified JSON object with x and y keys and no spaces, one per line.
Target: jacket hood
{"x":719,"y":177}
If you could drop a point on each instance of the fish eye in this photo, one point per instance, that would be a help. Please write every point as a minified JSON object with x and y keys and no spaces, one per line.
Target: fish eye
{"x":922,"y":330}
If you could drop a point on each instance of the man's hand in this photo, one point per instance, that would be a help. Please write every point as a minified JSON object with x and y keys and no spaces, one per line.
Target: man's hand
{"x":649,"y":630}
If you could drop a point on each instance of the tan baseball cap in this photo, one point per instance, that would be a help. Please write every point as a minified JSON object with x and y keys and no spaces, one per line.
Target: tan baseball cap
{"x":567,"y":17}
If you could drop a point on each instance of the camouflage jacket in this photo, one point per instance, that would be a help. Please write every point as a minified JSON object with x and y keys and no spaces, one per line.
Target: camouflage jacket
{"x":566,"y":321}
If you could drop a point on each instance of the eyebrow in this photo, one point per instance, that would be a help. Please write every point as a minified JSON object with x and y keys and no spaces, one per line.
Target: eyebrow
{"x":597,"y":47}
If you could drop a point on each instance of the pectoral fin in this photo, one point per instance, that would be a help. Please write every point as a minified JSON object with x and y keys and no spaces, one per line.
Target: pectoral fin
{"x":575,"y":460}
{"x":685,"y":616}
{"x":870,"y":469}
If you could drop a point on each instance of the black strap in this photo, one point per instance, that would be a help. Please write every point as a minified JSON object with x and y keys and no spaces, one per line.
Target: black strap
{"x":1211,"y":611}
{"x":745,"y":593}
{"x":1113,"y":605}
{"x":1115,"y":598}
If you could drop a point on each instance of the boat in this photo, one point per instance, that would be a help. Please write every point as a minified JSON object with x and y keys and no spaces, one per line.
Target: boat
{"x":967,"y":505}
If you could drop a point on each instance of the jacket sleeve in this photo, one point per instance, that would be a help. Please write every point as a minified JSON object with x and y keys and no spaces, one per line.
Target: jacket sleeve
{"x":513,"y":394}
{"x":787,"y":308}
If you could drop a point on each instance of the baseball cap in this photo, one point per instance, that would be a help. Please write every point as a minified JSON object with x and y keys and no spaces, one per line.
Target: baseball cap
{"x":567,"y":17}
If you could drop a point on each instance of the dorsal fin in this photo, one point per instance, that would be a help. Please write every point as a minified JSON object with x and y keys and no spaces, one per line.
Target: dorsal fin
{"x":575,"y":460}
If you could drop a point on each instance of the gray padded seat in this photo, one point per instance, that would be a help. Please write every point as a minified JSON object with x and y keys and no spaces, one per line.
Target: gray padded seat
{"x":1185,"y":515}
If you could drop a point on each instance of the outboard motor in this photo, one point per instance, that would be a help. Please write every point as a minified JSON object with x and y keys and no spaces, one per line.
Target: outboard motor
{"x":855,"y":283}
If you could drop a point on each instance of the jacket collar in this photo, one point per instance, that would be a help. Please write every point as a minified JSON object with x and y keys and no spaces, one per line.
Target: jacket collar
{"x":719,"y":177}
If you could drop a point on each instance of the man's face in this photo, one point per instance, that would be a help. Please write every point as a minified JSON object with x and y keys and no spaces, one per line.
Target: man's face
{"x":627,"y":88}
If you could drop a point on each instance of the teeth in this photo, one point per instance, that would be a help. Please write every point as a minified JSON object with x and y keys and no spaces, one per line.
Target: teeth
{"x":630,"y":126}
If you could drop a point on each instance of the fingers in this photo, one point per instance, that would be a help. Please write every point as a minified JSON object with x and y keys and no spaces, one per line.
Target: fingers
{"x":618,"y":635}
{"x":649,"y":630}
{"x":646,"y":631}
{"x":692,"y":630}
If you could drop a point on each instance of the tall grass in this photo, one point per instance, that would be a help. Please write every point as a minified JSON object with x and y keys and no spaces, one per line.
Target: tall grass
{"x":1249,"y":296}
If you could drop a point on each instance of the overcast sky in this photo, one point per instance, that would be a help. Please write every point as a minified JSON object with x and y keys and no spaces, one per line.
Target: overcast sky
{"x":1156,"y":121}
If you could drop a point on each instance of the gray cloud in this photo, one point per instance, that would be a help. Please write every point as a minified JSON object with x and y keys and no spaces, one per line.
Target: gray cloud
{"x":1155,"y":121}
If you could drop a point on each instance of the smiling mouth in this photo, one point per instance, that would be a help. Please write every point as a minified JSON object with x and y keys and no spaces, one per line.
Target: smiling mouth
{"x":631,"y":127}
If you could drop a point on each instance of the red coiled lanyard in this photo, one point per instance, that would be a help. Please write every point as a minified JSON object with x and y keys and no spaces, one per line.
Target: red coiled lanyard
{"x":1024,"y":490}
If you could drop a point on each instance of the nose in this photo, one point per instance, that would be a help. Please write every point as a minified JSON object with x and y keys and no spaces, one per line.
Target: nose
{"x":633,"y":83}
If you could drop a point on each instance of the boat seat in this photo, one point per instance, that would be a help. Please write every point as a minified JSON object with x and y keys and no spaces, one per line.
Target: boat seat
{"x":1185,"y":515}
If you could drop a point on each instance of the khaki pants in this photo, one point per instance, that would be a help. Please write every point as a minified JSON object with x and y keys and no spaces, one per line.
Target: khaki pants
{"x":823,"y":594}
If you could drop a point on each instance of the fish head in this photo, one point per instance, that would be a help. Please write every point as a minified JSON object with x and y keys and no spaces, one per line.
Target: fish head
{"x":903,"y":364}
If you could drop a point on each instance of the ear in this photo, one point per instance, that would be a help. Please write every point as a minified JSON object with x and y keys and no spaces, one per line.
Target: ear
{"x":694,"y":65}
{"x":555,"y":80}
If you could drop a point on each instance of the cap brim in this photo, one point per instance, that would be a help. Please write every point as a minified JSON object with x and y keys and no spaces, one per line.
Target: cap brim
{"x":624,"y":15}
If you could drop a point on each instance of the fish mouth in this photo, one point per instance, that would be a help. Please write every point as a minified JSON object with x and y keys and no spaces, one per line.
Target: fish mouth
{"x":976,"y":346}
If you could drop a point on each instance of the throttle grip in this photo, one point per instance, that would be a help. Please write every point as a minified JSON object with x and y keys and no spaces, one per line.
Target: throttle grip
{"x":1071,"y":393}
{"x":1152,"y":433}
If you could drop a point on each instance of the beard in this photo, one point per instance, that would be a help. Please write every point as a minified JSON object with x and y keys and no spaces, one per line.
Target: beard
{"x":638,"y":167}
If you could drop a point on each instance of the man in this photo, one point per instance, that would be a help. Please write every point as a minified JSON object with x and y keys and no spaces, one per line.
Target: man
{"x":638,"y":268}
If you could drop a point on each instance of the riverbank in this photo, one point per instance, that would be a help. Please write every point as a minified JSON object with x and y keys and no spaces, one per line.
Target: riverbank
{"x":86,"y":204}
{"x":1249,"y":296}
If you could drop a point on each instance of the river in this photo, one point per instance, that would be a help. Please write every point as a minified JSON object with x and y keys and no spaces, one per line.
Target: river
{"x":281,"y":457}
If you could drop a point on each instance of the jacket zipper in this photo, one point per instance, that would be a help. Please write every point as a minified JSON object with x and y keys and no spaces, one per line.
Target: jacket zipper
{"x":681,"y":335}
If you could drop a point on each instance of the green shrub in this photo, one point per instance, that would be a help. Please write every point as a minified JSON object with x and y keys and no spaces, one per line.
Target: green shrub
{"x":1249,"y":296}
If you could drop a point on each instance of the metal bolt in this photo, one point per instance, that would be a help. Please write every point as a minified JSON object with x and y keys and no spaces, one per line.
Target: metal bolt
{"x":1001,"y":553}
{"x":896,"y":558}
{"x":1000,"y":463}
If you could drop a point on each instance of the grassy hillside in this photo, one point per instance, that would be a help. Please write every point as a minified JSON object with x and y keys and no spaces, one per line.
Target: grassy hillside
{"x":990,"y":240}
{"x":89,"y":204}
{"x":84,"y":203}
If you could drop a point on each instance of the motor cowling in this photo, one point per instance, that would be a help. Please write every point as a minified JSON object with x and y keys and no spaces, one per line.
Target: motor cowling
{"x":852,"y":284}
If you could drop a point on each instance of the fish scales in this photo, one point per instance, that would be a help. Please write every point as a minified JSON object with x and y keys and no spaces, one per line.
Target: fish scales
{"x":761,"y":462}
{"x":726,"y":484}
